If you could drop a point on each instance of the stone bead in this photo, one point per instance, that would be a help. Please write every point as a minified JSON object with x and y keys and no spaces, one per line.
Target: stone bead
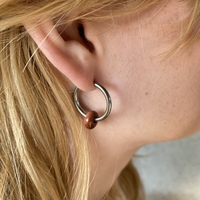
{"x":89,"y":119}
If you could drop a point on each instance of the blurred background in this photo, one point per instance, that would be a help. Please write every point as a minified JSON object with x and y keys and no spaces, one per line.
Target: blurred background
{"x":171,"y":170}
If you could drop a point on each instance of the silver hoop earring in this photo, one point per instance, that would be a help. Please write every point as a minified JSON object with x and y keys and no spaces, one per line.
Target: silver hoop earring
{"x":91,"y":118}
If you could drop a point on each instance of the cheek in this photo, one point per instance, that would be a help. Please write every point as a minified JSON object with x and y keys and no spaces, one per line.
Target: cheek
{"x":154,"y":99}
{"x":159,"y":99}
{"x":165,"y":98}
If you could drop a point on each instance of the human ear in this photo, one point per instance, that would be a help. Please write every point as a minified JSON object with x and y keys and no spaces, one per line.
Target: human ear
{"x":67,"y":49}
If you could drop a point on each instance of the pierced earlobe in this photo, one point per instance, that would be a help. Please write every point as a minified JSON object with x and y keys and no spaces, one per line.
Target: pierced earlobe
{"x":91,"y":118}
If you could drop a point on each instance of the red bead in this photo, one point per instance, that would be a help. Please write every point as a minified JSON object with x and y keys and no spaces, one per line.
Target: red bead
{"x":89,"y":120}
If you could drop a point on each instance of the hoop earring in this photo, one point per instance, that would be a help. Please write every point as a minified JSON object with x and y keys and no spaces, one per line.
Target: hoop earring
{"x":91,"y":118}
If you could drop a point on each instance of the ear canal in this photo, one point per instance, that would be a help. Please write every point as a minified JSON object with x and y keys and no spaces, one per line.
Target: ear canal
{"x":87,"y":43}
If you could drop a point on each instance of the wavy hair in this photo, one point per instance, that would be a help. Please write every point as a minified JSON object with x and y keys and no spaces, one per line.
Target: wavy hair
{"x":43,"y":146}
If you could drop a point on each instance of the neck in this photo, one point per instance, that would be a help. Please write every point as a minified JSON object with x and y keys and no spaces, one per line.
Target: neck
{"x":107,"y":161}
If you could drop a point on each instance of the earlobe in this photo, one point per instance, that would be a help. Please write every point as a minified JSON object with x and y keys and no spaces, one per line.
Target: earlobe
{"x":66,"y":51}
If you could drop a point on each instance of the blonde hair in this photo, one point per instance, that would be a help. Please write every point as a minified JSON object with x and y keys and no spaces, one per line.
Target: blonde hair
{"x":43,"y":147}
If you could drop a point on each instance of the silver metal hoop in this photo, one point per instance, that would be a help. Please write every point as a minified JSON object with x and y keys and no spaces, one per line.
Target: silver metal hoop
{"x":108,"y":103}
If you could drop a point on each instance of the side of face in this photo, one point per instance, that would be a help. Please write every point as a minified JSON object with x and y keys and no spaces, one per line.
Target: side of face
{"x":154,"y":99}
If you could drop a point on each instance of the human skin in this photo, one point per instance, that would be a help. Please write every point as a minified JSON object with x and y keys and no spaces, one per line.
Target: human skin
{"x":155,"y":98}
